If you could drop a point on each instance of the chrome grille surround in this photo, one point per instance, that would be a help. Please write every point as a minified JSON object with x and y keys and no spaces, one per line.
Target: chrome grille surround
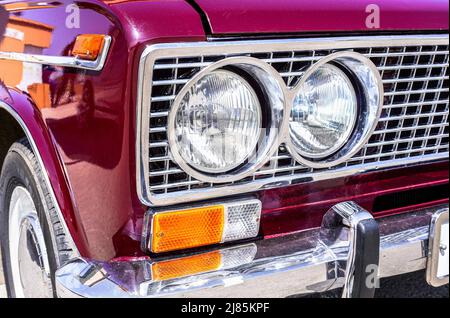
{"x":413,"y":126}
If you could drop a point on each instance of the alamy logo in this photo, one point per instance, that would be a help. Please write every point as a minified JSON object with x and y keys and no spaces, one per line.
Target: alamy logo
{"x":372,"y":280}
{"x":73,"y":16}
{"x":373,"y":17}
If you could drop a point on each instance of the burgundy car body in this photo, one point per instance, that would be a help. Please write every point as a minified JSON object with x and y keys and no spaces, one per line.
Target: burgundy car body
{"x":90,"y":160}
{"x":309,"y":16}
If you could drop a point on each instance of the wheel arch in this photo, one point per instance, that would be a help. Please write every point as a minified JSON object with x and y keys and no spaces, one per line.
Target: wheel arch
{"x":19,"y":117}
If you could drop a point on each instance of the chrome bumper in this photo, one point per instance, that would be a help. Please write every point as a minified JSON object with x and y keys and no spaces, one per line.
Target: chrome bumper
{"x":307,"y":262}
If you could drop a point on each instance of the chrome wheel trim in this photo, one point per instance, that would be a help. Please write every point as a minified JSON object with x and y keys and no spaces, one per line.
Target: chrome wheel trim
{"x":24,"y":228}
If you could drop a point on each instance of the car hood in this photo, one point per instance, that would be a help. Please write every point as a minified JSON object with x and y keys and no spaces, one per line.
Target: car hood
{"x":293,"y":16}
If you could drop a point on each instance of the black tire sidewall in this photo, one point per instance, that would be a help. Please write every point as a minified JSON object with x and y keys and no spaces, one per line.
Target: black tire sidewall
{"x":17,"y":171}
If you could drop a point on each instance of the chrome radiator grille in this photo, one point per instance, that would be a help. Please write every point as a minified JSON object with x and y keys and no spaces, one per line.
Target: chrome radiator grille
{"x":413,"y":125}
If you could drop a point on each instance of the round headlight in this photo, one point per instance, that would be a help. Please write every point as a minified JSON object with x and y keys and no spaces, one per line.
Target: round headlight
{"x":218,"y":122}
{"x":324,"y":113}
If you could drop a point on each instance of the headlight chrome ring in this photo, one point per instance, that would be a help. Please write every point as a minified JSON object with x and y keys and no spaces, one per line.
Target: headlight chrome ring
{"x":268,"y":85}
{"x":368,"y":86}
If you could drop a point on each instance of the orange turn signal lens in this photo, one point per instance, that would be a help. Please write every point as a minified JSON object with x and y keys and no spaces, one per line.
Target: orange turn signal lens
{"x":187,"y":228}
{"x":88,"y":46}
{"x":186,"y":266}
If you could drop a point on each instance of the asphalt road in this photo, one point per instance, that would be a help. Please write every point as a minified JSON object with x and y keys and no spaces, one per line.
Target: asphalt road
{"x":411,"y":285}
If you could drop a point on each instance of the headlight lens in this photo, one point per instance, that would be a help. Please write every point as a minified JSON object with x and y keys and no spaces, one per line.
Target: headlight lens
{"x":217,"y":125}
{"x":324,"y":113}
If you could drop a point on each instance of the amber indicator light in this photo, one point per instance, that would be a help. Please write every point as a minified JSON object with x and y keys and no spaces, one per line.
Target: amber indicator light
{"x":187,"y":228}
{"x":88,"y":46}
{"x":186,"y":266}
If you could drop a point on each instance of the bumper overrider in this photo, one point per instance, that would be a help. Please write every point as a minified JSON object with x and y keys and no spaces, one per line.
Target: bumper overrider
{"x":351,"y":250}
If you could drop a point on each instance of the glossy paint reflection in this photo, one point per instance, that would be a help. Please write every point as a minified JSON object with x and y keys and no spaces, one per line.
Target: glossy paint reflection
{"x":83,"y":111}
{"x":90,"y":115}
{"x":3,"y":21}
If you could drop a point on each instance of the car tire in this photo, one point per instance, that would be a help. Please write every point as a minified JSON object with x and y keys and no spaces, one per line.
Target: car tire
{"x":33,"y":241}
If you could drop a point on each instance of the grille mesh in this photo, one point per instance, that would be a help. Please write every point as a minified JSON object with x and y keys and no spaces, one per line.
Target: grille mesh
{"x":414,"y":120}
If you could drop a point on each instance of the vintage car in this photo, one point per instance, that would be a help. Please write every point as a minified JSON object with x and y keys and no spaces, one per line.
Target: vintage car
{"x":222,"y":148}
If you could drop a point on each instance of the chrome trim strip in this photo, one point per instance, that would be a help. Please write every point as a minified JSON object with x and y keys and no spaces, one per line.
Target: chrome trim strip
{"x":24,"y":127}
{"x":145,"y":78}
{"x":63,"y":61}
{"x":299,"y":263}
{"x":434,"y":247}
{"x":207,"y":193}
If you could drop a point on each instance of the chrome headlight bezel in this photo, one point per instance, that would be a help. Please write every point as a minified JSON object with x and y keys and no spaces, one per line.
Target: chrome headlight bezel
{"x":369,"y":89}
{"x":273,"y":104}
